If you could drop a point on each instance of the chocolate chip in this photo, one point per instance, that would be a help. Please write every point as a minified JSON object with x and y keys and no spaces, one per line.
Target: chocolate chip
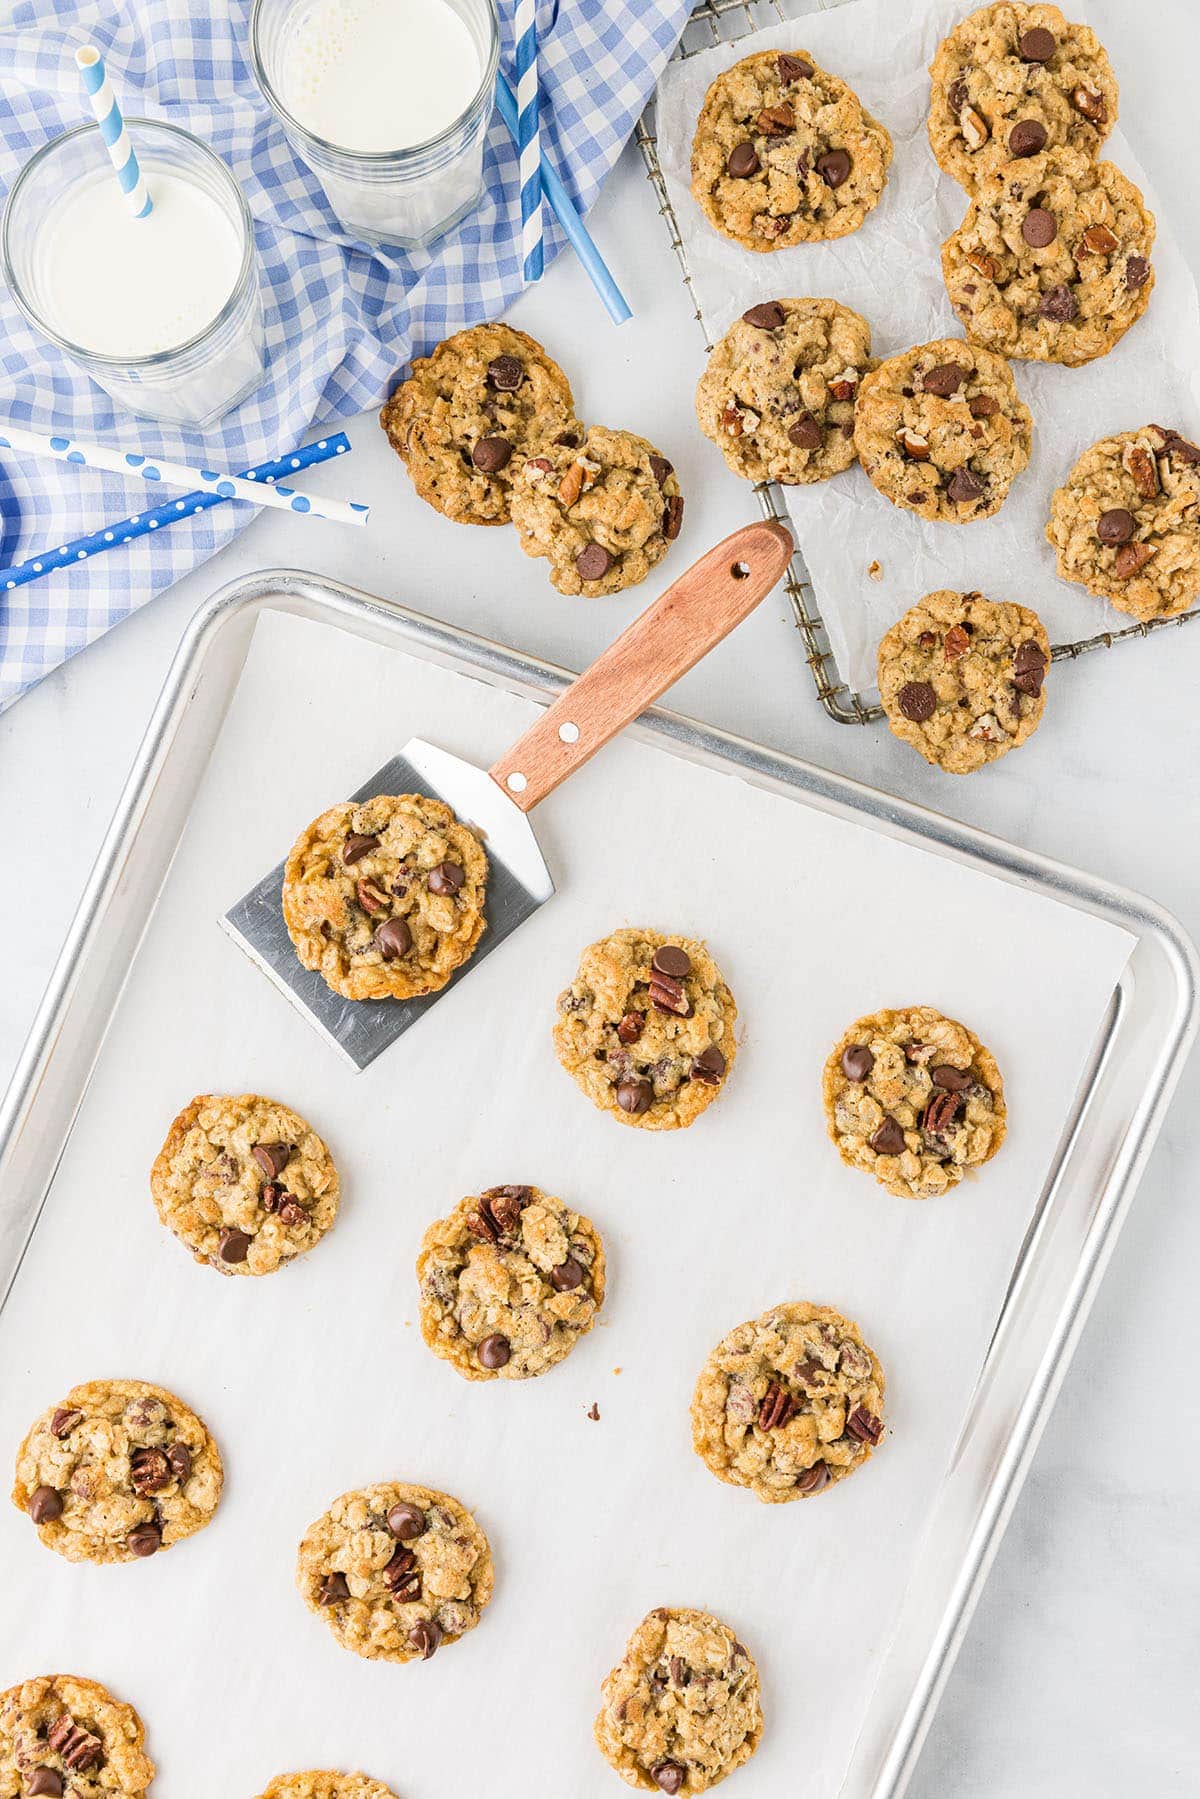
{"x":1039,"y":228}
{"x":982,"y":406}
{"x":634,"y":1096}
{"x":857,"y":1062}
{"x":812,"y":1479}
{"x":1029,"y":671}
{"x":672,"y":518}
{"x":233,"y":1245}
{"x":1116,"y":526}
{"x":957,"y":95}
{"x":145,"y":1539}
{"x":1037,"y":45}
{"x":45,"y":1783}
{"x":945,"y":380}
{"x":45,"y":1505}
{"x":272,"y":1158}
{"x":447,"y":877}
{"x":64,"y":1421}
{"x":660,"y":468}
{"x":506,"y":373}
{"x":963,"y":486}
{"x":180,"y":1458}
{"x":668,"y":1777}
{"x":888,"y":1139}
{"x":917,"y":701}
{"x":567,"y":1276}
{"x":671,"y":959}
{"x":708,"y":1066}
{"x":743,"y":161}
{"x":593,"y":562}
{"x":793,"y":68}
{"x":1027,"y":137}
{"x":495,"y":1351}
{"x":333,"y":1589}
{"x":357,"y":846}
{"x":491,"y":453}
{"x":833,"y":167}
{"x":1059,"y":304}
{"x":954,"y":1080}
{"x":149,"y":1470}
{"x":806,"y":432}
{"x":424,"y":1637}
{"x":1137,"y":273}
{"x":393,"y":939}
{"x":631,"y":1027}
{"x":767,"y":317}
{"x":406,"y":1521}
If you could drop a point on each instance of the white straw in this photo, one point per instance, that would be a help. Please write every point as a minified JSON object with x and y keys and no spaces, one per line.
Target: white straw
{"x":176,"y":474}
{"x":90,"y":64}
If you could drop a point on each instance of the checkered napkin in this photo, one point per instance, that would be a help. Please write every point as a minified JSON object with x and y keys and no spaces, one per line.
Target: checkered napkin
{"x":340,"y":320}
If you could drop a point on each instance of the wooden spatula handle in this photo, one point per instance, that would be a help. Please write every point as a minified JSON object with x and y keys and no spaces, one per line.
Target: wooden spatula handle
{"x":670,"y":637}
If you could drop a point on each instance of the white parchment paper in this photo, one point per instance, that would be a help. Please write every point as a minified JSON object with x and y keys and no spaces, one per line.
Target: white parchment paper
{"x":316,"y":1379}
{"x":890,"y":271}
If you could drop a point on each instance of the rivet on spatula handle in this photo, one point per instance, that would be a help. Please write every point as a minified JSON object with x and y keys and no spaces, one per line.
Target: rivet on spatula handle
{"x":650,"y":655}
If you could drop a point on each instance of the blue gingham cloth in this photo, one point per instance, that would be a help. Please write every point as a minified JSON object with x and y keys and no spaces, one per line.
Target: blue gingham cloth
{"x":340,"y":320}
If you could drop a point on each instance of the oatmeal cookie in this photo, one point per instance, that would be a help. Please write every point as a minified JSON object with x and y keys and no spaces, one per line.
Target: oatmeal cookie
{"x":1052,"y":262}
{"x":117,"y":1471}
{"x":961,"y":678}
{"x":785,"y":153}
{"x":60,"y":1734}
{"x":244,"y":1182}
{"x":509,"y":1283}
{"x":788,"y":1403}
{"x":1126,"y":524}
{"x":942,"y":431}
{"x":396,"y":1571}
{"x":602,"y":514}
{"x":323,"y":1783}
{"x":385,"y":899}
{"x":1013,"y":80}
{"x":469,"y":415}
{"x":914,"y":1099}
{"x":777,"y":396}
{"x":682,"y":1709}
{"x":646,"y":1028}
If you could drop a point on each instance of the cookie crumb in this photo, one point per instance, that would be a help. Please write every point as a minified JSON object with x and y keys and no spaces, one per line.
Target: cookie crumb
{"x":875,"y":570}
{"x":594,"y":1412}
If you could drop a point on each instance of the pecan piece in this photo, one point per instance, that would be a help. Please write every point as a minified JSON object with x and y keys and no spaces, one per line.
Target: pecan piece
{"x":150,"y":1471}
{"x":1142,"y":468}
{"x":778,"y":1407}
{"x":941,"y":1111}
{"x":371,"y":897}
{"x":983,"y":264}
{"x":776,"y":121}
{"x":864,"y":1425}
{"x":845,"y":386}
{"x":79,"y":1749}
{"x":1097,"y":240}
{"x":974,"y":128}
{"x":915,"y":447}
{"x":1090,"y":105}
{"x":956,"y":643}
{"x":1131,"y":559}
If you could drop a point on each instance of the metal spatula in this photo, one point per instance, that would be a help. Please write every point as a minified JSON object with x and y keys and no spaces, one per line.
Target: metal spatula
{"x":683,"y":624}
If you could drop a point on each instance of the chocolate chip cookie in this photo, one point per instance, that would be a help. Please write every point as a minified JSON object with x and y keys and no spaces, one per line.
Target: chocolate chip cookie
{"x":961,"y":678}
{"x":942,"y":431}
{"x":385,"y":899}
{"x":682,"y":1708}
{"x":509,"y":1282}
{"x":244,"y":1182}
{"x":1052,"y":261}
{"x":1126,"y":523}
{"x":914,"y":1099}
{"x":788,"y":1403}
{"x":116,"y":1471}
{"x":602,"y":513}
{"x":469,"y":415}
{"x":396,"y":1571}
{"x":777,"y":396}
{"x":322,"y":1783}
{"x":1013,"y":80}
{"x":785,"y":153}
{"x":646,"y":1028}
{"x":62,"y":1735}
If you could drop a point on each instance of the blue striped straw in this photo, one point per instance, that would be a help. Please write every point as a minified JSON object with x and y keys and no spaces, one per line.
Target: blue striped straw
{"x":90,"y":64}
{"x":529,"y":142}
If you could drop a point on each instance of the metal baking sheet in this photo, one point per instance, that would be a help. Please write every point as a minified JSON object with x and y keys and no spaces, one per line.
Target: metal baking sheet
{"x":284,"y":1464}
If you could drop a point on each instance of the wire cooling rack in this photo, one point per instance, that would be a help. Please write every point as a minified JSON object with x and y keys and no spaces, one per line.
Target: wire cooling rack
{"x":726,"y":22}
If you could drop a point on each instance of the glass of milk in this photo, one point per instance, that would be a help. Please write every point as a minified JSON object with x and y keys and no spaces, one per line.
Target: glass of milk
{"x":163,"y":312}
{"x":387,"y":101}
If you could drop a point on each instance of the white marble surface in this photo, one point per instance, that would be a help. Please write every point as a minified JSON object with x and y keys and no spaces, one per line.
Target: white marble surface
{"x":1079,"y":1676}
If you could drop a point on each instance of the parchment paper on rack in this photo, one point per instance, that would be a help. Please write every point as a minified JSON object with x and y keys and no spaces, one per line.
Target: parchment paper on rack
{"x":890,"y":271}
{"x":316,"y":1379}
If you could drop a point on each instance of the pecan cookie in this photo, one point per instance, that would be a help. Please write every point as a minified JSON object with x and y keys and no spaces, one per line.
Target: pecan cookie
{"x":777,"y":396}
{"x":913,"y":1098}
{"x":385,"y":899}
{"x":396,"y":1571}
{"x":788,"y":1403}
{"x":961,"y":678}
{"x":785,"y":153}
{"x":682,"y":1708}
{"x":1052,"y":261}
{"x":117,"y":1471}
{"x":942,"y":431}
{"x":646,"y":1028}
{"x":509,"y":1282}
{"x":323,"y":1783}
{"x":244,"y":1182}
{"x":467,"y":417}
{"x":60,"y":1734}
{"x":1126,"y":523}
{"x":602,"y":514}
{"x":1013,"y":80}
